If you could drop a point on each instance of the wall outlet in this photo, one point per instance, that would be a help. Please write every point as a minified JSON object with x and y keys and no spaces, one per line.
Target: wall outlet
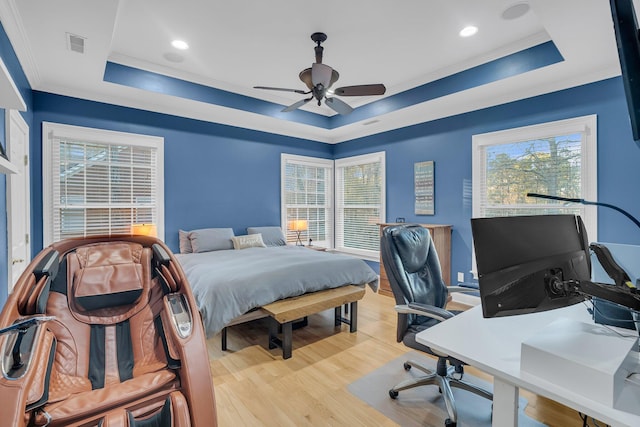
{"x":460,"y":277}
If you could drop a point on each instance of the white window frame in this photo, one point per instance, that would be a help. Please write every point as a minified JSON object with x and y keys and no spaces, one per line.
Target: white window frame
{"x":353,"y":161}
{"x":57,"y":130}
{"x":329,"y":188}
{"x":587,"y":125}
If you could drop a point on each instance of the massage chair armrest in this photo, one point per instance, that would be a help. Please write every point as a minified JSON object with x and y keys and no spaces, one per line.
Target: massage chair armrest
{"x":24,"y":386}
{"x":431,"y":311}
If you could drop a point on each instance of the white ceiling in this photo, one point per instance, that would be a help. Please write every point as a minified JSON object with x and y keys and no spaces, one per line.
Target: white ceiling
{"x":235,"y":45}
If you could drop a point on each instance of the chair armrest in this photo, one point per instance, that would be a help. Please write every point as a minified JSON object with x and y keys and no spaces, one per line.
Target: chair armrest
{"x":424,"y":310}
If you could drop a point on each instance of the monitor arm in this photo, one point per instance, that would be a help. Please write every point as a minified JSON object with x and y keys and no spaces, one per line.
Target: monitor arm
{"x":621,"y":295}
{"x":623,"y":292}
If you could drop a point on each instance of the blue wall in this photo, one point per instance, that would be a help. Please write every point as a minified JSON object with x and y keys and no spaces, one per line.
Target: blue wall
{"x":10,"y":60}
{"x":448,"y":143}
{"x":215,"y":175}
{"x":221,"y":176}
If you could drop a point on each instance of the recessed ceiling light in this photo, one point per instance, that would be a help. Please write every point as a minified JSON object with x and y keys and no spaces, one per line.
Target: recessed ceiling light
{"x":179,"y":44}
{"x":469,"y":30}
{"x":515,"y":11}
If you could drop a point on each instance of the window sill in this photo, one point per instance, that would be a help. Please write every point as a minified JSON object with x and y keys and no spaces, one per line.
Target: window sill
{"x":375,"y":258}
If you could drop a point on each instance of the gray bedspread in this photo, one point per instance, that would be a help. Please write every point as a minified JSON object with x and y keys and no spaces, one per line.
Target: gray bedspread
{"x":229,"y":283}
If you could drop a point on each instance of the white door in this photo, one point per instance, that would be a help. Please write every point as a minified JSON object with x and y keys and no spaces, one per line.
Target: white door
{"x":18,"y":196}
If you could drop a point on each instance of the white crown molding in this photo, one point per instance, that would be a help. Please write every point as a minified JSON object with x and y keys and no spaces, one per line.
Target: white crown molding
{"x":12,"y":23}
{"x":511,"y":48}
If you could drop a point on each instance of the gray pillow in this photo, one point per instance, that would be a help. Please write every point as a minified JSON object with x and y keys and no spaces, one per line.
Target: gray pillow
{"x":211,"y":239}
{"x":185,"y":242}
{"x":271,"y":236}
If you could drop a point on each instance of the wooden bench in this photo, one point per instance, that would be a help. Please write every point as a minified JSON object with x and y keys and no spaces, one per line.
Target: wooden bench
{"x":286,"y":311}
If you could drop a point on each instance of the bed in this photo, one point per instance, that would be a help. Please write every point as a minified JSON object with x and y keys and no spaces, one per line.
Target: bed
{"x":229,"y":283}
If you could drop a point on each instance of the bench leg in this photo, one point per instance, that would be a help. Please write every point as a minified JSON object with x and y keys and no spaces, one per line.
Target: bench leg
{"x":287,"y":340}
{"x":353,"y":324}
{"x":352,"y":321}
{"x":286,"y":343}
{"x":273,"y":333}
{"x":223,"y":336}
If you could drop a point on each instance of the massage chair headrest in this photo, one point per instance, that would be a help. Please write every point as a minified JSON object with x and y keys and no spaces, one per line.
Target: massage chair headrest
{"x":110,"y":275}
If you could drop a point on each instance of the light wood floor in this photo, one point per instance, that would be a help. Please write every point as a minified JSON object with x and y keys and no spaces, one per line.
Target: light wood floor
{"x":256,"y":387}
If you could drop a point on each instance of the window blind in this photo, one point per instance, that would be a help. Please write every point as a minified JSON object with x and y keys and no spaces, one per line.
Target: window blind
{"x":307,"y":194}
{"x":551,"y":165}
{"x":101,"y":187}
{"x":360,"y":198}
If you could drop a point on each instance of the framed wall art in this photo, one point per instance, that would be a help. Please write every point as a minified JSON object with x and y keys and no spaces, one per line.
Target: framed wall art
{"x":424,"y":184}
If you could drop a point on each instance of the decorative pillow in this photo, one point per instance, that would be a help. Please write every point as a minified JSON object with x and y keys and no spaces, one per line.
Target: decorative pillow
{"x":185,"y":242}
{"x":271,"y":236}
{"x":211,"y":239}
{"x":248,"y":241}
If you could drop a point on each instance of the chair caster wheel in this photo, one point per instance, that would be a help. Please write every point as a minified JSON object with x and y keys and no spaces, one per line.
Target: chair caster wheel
{"x":393,"y":394}
{"x":406,"y":366}
{"x":449,"y":423}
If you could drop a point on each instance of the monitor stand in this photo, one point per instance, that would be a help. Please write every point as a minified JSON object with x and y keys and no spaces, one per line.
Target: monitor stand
{"x":588,"y":359}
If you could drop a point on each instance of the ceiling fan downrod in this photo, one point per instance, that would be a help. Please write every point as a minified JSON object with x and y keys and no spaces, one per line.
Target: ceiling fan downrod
{"x":318,"y":38}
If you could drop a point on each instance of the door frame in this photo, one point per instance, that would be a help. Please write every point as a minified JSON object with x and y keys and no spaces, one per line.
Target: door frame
{"x":15,"y":117}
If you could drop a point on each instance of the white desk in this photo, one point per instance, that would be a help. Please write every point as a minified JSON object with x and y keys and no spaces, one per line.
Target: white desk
{"x":493,"y":346}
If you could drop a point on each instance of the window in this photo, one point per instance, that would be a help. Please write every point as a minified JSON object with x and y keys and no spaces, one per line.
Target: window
{"x":557,"y":158}
{"x":360,"y":204}
{"x":100,"y":182}
{"x":307,"y":194}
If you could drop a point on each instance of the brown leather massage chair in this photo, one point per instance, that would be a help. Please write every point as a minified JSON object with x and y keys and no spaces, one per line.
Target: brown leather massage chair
{"x":104,"y":332}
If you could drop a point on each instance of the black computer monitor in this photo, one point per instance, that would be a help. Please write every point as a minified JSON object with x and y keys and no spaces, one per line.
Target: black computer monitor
{"x":524,"y":262}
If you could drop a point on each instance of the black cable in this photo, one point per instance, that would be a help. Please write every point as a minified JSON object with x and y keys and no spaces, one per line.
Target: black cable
{"x":586,"y":202}
{"x":585,"y":420}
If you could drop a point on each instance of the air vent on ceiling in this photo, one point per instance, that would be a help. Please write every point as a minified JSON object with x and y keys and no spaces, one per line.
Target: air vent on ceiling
{"x":370,"y":122}
{"x":75,"y":43}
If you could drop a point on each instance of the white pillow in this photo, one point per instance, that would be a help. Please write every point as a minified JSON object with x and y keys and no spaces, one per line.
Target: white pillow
{"x":248,"y":241}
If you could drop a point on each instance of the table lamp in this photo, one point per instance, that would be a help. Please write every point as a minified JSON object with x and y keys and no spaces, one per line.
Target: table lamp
{"x":144,"y":230}
{"x":298,"y":225}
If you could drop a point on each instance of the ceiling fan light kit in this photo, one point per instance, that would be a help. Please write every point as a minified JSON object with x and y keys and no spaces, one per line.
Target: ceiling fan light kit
{"x":319,"y":78}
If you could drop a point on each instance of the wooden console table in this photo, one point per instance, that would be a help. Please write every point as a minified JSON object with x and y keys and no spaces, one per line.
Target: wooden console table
{"x":441,"y":235}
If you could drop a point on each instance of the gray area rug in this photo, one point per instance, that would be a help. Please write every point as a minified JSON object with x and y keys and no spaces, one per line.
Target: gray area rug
{"x":423,"y":406}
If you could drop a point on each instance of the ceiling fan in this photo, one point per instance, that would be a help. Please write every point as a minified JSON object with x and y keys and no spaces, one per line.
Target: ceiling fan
{"x":319,"y":79}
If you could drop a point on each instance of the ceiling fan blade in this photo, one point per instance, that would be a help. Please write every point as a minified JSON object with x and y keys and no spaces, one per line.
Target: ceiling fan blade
{"x":361,"y":90}
{"x":283,"y":89}
{"x":338,"y":105}
{"x":296,"y":105}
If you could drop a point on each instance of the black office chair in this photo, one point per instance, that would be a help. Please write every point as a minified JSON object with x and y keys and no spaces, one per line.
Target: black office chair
{"x":414,"y":273}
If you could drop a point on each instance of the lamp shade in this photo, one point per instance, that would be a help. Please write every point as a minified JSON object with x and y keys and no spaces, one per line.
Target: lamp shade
{"x":321,"y":74}
{"x":144,"y":230}
{"x":297,"y":225}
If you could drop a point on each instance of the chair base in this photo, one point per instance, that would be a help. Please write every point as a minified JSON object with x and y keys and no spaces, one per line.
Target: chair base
{"x":445,"y":380}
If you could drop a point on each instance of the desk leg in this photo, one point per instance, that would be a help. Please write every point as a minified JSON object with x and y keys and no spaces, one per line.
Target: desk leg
{"x":505,"y":404}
